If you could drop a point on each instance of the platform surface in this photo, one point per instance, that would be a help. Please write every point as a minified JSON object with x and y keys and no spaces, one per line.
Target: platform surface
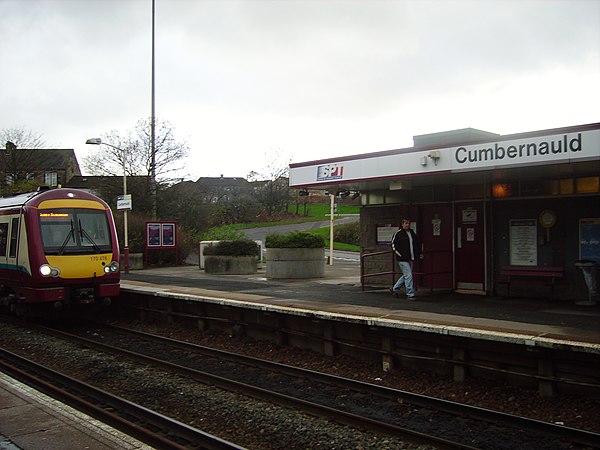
{"x":339,"y":292}
{"x":30,"y":420}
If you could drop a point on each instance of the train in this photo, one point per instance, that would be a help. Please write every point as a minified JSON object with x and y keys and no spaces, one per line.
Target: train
{"x":58,"y":252}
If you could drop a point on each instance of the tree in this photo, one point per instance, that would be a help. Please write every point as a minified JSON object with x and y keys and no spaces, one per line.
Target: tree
{"x":22,"y":138}
{"x":137,"y":143}
{"x":17,"y":159}
{"x":137,"y":151}
{"x":271,"y":188}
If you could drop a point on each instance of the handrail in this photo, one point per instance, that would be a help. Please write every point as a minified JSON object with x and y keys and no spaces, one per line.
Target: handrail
{"x":417,"y":273}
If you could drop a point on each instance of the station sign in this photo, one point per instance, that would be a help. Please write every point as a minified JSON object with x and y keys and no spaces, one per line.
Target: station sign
{"x":124,"y":202}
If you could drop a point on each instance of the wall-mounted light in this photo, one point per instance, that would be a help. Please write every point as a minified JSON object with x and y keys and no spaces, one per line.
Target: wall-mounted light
{"x":434,"y":155}
{"x":500,"y":190}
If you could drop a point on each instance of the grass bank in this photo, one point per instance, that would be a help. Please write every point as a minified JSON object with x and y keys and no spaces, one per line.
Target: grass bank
{"x":316,"y":212}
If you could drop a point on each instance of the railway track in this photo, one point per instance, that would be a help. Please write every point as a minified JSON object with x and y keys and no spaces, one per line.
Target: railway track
{"x":148,"y":426}
{"x":415,"y":418}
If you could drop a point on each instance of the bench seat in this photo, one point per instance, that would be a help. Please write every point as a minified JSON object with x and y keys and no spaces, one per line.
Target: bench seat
{"x":531,"y":275}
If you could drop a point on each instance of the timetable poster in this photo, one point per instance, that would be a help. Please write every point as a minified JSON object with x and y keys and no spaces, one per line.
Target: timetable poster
{"x":385,"y":234}
{"x":523,"y":242}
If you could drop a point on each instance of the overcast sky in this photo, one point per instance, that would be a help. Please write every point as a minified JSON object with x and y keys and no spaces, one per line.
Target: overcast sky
{"x":249,"y":82}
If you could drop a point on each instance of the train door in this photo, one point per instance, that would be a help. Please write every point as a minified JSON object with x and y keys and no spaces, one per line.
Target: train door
{"x":436,"y":235}
{"x":4,"y":226}
{"x":470,"y":267}
{"x":9,"y":245}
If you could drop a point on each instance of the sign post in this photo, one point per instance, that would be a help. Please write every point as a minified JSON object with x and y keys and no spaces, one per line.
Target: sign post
{"x":124,"y":202}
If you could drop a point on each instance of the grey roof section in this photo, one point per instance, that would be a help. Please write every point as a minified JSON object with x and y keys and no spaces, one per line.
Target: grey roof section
{"x":453,"y":137}
{"x":48,"y":158}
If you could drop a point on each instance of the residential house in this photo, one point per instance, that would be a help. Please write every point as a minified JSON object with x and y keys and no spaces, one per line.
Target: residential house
{"x":51,"y":167}
{"x":220,"y":189}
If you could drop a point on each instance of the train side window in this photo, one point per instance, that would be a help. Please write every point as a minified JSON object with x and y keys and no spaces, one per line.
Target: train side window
{"x":14,"y":238}
{"x":3,"y":238}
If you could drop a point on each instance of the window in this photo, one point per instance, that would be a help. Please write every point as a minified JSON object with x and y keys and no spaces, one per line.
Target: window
{"x":3,"y":238}
{"x":587,"y":185}
{"x":51,"y":178}
{"x":14,"y":237}
{"x":75,"y":231}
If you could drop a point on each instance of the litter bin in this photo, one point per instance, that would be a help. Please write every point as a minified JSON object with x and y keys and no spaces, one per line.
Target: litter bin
{"x":590,"y":275}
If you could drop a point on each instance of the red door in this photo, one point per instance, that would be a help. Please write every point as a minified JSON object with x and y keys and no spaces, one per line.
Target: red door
{"x":470,"y":247}
{"x":436,"y":235}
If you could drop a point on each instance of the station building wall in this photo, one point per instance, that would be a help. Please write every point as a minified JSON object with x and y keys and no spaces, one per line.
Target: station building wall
{"x":556,"y":246}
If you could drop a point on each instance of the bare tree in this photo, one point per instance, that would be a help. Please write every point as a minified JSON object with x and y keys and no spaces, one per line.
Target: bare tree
{"x":107,"y":160}
{"x":271,"y":187}
{"x":22,"y":138}
{"x":17,"y":160}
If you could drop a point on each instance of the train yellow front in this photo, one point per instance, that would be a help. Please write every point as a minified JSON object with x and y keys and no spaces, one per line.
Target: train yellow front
{"x":58,"y":248}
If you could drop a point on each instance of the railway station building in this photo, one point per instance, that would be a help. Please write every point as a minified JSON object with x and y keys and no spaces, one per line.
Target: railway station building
{"x":482,"y":203}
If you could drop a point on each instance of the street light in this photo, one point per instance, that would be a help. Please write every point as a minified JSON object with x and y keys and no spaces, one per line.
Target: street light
{"x":98,"y":141}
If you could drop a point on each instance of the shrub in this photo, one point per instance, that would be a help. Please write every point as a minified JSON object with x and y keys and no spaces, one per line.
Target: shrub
{"x":294,"y":239}
{"x":240,"y":247}
{"x":225,"y":232}
{"x":348,"y":233}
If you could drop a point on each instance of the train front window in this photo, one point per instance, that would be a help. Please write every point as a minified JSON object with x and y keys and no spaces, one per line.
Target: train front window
{"x":74,"y":231}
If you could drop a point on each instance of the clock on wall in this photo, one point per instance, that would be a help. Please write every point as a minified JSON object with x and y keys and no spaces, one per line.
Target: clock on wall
{"x":547,"y":218}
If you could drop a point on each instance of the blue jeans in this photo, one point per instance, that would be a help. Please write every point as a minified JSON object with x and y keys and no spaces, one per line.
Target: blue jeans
{"x":406,"y":278}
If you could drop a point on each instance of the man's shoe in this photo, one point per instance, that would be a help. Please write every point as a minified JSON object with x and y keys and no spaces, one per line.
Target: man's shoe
{"x":413,"y":297}
{"x":394,"y":293}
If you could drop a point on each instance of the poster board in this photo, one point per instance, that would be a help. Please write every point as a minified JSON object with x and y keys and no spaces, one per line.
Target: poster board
{"x":589,"y":239}
{"x":161,"y":235}
{"x":523,"y":242}
{"x":385,"y":233}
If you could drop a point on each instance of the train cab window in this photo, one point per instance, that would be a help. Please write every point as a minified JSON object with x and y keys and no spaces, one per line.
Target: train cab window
{"x":3,"y":238}
{"x":75,"y":231}
{"x":14,"y":237}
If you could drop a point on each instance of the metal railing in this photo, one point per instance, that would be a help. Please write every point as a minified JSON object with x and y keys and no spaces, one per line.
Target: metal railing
{"x":419,"y":270}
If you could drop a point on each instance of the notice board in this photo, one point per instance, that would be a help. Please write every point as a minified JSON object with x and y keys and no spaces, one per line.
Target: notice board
{"x":523,"y":242}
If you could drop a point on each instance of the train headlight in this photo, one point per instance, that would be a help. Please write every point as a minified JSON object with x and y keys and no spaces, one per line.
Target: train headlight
{"x":112,"y":267}
{"x":46,"y":270}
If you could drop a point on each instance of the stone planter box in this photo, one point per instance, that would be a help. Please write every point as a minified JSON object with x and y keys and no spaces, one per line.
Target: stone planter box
{"x":230,"y":265}
{"x":295,"y":262}
{"x":136,"y":261}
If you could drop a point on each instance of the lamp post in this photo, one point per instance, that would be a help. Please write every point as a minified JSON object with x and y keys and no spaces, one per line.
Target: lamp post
{"x":331,"y":212}
{"x":98,"y":141}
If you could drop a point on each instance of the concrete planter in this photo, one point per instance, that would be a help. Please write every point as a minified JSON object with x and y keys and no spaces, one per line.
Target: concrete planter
{"x":230,"y":265}
{"x":136,"y":261}
{"x":295,"y":262}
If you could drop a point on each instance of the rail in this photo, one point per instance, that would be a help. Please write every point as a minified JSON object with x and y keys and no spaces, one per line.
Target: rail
{"x":419,"y":270}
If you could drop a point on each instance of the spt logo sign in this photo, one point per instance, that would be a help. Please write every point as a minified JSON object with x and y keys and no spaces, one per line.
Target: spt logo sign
{"x":330,"y":172}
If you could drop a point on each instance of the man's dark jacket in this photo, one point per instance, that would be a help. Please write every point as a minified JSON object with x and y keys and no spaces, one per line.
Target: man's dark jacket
{"x":400,"y":245}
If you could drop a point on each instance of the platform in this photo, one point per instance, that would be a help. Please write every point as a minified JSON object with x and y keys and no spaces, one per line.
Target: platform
{"x":340,"y":293}
{"x":30,"y":420}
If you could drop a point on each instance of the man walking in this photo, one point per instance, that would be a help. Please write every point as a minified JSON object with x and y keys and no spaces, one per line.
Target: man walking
{"x":407,"y":247}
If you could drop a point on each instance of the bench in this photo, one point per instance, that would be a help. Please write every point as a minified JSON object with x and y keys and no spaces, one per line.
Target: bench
{"x":540,"y":275}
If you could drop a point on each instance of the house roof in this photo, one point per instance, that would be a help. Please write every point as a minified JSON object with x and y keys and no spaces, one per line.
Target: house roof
{"x":221,"y":181}
{"x":46,"y":159}
{"x":89,"y":182}
{"x":50,"y":158}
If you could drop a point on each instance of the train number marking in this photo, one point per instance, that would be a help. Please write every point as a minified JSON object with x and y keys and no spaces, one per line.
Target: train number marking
{"x":98,"y":258}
